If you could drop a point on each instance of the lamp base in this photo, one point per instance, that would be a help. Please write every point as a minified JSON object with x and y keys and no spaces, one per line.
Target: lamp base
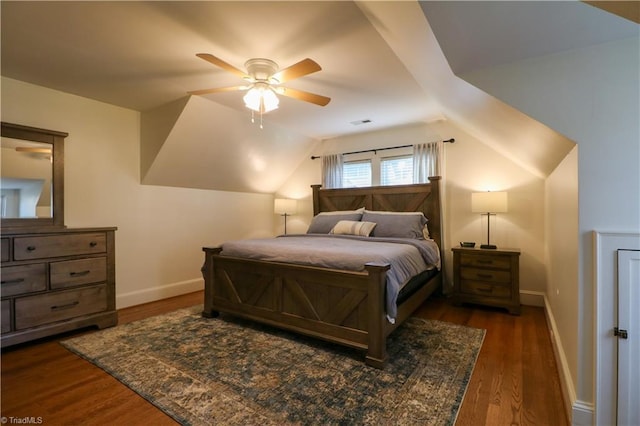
{"x":488,"y":246}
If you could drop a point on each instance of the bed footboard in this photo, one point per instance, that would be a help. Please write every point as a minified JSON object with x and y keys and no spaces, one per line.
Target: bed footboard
{"x":343,"y":307}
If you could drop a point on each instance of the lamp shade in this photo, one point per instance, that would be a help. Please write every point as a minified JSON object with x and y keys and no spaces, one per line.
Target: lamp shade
{"x":489,"y":202}
{"x":285,"y":206}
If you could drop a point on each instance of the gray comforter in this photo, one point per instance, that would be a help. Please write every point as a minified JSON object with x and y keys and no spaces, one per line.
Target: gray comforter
{"x":407,"y":257}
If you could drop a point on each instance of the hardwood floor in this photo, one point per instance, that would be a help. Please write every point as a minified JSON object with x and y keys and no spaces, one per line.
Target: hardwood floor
{"x":515,"y":381}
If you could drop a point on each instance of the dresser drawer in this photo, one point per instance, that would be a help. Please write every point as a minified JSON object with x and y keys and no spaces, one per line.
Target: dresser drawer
{"x":77,"y":272}
{"x":485,"y":275}
{"x":480,"y":261}
{"x":4,"y":249}
{"x":5,"y":310}
{"x":46,"y":308}
{"x":23,"y":279}
{"x":485,"y":289}
{"x":25,"y":248}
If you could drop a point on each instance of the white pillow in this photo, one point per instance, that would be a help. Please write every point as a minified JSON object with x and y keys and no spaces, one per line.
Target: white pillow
{"x":352,"y":227}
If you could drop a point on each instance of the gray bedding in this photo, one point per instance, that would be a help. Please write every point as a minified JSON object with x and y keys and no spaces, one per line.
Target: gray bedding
{"x":407,"y":257}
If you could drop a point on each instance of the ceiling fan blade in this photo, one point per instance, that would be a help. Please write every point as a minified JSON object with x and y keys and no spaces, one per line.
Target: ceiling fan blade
{"x":302,"y":68}
{"x":222,"y":64}
{"x":304,"y":96}
{"x":218,"y":89}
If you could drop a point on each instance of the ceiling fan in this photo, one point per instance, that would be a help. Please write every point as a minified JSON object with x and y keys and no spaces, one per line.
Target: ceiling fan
{"x":263,"y":78}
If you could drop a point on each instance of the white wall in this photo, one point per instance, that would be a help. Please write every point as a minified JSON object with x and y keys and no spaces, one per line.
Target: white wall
{"x":161,"y":230}
{"x":470,"y":166}
{"x":591,"y":96}
{"x":561,"y":231}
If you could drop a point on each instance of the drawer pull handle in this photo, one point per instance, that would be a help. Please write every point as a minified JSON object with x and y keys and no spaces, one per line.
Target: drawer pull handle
{"x":67,"y":306}
{"x":14,"y":281}
{"x":93,"y":243}
{"x":487,"y":276}
{"x":31,"y":248}
{"x":79,"y":274}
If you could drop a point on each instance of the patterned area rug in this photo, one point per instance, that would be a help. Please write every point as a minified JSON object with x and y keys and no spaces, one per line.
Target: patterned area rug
{"x":230,"y":372}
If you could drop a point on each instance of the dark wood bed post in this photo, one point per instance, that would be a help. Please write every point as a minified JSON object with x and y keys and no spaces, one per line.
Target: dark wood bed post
{"x":316,"y":198}
{"x":208,"y":273}
{"x":376,"y":346}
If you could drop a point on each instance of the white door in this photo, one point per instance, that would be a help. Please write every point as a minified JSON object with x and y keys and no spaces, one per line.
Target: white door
{"x":628,"y":411}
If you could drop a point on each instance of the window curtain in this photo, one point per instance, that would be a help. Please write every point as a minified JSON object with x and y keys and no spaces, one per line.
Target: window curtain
{"x":427,"y":158}
{"x":332,"y":171}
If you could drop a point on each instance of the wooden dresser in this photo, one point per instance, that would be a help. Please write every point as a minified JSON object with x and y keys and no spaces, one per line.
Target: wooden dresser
{"x":55,"y":281}
{"x":487,"y":277}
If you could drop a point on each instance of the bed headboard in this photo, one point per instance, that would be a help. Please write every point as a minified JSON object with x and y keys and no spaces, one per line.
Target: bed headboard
{"x":420,"y":197}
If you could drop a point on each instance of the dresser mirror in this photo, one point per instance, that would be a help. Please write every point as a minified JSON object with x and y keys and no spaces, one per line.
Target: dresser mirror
{"x":32,"y":177}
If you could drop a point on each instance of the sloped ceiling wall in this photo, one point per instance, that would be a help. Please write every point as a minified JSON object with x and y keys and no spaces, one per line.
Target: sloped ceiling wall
{"x":196,"y":143}
{"x":527,"y":142}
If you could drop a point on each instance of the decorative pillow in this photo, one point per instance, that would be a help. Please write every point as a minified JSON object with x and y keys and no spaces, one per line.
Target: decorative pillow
{"x":353,"y":227}
{"x":397,"y":224}
{"x":323,"y":223}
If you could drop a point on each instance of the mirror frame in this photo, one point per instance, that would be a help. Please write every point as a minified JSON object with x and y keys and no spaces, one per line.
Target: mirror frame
{"x":56,"y":139}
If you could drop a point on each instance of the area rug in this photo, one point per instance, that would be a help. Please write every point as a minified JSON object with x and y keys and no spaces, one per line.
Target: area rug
{"x":226,"y":371}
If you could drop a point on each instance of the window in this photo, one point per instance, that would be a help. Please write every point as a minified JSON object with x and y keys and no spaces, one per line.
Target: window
{"x":396,"y":170}
{"x":371,"y":168}
{"x":356,"y":174}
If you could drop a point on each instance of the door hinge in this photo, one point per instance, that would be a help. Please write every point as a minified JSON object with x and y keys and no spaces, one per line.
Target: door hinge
{"x":620,"y":333}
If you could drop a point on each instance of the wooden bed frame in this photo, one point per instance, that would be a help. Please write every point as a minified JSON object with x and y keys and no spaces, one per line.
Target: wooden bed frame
{"x":343,"y":307}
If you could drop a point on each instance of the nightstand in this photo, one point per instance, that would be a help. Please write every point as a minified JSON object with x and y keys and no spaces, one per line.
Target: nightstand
{"x":487,"y":277}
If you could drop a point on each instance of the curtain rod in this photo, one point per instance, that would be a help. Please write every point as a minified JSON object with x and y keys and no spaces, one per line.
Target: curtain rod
{"x":313,"y":157}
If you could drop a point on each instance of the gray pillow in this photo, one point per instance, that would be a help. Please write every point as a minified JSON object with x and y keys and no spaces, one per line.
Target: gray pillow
{"x":396,"y":224}
{"x":323,"y":223}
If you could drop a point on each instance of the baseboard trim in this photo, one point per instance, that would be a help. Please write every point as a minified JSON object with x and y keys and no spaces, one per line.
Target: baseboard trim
{"x":583,"y":414}
{"x":152,"y":294}
{"x":578,"y":412}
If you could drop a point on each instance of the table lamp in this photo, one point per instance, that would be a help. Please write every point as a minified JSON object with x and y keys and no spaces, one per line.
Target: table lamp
{"x":488,"y":203}
{"x":285,"y":207}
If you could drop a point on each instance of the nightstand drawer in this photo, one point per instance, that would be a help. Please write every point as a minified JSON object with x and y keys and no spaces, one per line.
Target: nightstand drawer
{"x":23,"y":279}
{"x":77,"y":272}
{"x":26,"y":248}
{"x":479,"y":261}
{"x":485,"y":289}
{"x":46,"y":308}
{"x":485,"y":275}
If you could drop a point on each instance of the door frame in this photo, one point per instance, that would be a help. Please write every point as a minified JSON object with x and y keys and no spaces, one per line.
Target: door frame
{"x":606,"y":245}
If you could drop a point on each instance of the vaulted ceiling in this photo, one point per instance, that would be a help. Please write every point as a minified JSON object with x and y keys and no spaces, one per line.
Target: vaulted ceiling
{"x":393,"y":63}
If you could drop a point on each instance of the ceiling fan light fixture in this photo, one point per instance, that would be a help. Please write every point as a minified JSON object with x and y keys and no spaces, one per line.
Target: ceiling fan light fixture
{"x":261,"y":98}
